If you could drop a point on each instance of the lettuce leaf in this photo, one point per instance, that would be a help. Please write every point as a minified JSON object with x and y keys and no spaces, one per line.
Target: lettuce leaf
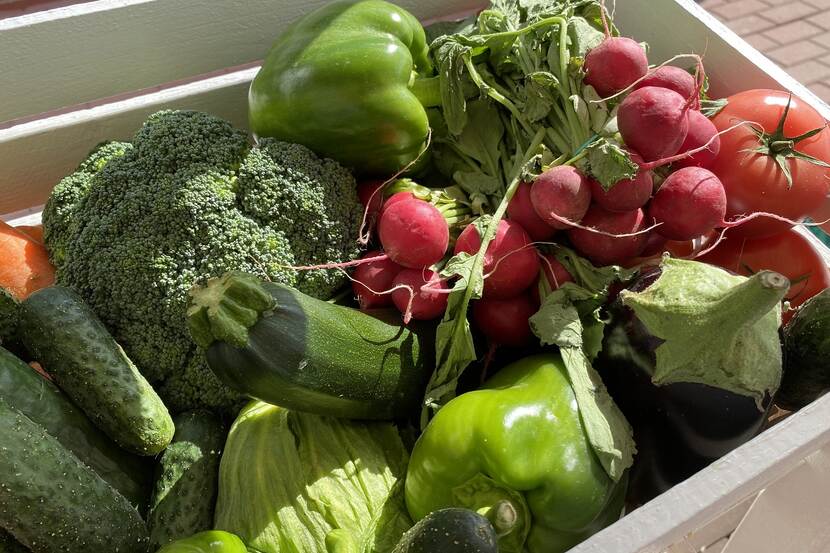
{"x":293,"y":482}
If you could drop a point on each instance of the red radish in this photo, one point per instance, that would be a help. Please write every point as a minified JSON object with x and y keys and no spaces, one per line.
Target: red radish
{"x":614,"y":64}
{"x":426,"y":304}
{"x":373,"y":277}
{"x":655,"y":244}
{"x":626,"y":195}
{"x":607,"y":250}
{"x":690,"y":202}
{"x":505,"y":322}
{"x":671,"y":77}
{"x":511,"y":264}
{"x":561,"y":191}
{"x":414,"y":233}
{"x":370,"y":192}
{"x":701,"y":131}
{"x":395,"y":198}
{"x":555,"y":273}
{"x":654,"y":121}
{"x":520,"y":209}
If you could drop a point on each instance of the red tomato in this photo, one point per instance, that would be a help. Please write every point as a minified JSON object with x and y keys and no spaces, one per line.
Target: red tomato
{"x":789,"y":253}
{"x":754,"y":182}
{"x":823,"y":216}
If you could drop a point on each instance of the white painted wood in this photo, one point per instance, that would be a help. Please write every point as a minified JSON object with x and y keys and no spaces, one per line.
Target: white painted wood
{"x":98,"y":49}
{"x":718,"y":528}
{"x":35,"y":155}
{"x":661,"y":523}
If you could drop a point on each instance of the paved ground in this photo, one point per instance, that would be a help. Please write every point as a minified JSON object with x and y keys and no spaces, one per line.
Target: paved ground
{"x":793,"y":33}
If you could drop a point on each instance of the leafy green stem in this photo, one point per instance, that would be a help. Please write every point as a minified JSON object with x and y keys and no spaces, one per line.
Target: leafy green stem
{"x":493,"y":93}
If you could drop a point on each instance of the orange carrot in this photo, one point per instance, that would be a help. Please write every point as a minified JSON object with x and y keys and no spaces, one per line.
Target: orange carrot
{"x":24,"y":263}
{"x":35,"y":232}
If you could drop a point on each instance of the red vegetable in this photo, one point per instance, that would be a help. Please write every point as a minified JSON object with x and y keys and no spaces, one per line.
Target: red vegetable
{"x":520,"y":209}
{"x":561,"y":192}
{"x":614,"y":64}
{"x":701,"y":131}
{"x":671,"y":77}
{"x":377,"y":275}
{"x":505,"y":322}
{"x":654,"y":121}
{"x":511,"y":264}
{"x":607,"y":250}
{"x":414,"y":233}
{"x":689,"y":203}
{"x":754,"y":181}
{"x":789,"y":253}
{"x":425,"y":304}
{"x":626,"y":195}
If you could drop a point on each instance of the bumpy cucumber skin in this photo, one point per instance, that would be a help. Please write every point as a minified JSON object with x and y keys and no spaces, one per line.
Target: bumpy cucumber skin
{"x":806,"y":354}
{"x":184,"y":496}
{"x":313,"y":356}
{"x":73,"y":345}
{"x":452,"y":530}
{"x":51,"y":502}
{"x":40,"y":400}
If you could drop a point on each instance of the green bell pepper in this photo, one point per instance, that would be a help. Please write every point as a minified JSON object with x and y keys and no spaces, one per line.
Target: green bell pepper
{"x":516,"y":452}
{"x":211,"y":541}
{"x":350,"y":81}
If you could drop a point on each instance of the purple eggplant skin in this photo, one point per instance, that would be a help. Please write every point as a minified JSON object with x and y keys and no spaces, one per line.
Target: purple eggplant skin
{"x":679,"y":428}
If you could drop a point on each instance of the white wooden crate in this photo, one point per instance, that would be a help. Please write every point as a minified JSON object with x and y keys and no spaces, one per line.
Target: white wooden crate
{"x":74,"y":76}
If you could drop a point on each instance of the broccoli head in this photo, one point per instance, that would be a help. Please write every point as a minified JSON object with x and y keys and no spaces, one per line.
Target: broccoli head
{"x":189,"y":200}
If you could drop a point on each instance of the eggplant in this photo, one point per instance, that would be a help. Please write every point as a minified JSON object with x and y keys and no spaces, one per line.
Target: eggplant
{"x":680,"y":427}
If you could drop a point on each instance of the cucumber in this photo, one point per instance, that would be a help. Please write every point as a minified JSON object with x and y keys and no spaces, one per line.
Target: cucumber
{"x":51,"y":502}
{"x":184,"y":496}
{"x":452,"y":530}
{"x":10,"y":545}
{"x":806,"y":354}
{"x":281,"y":346}
{"x":40,"y":400}
{"x":71,"y":343}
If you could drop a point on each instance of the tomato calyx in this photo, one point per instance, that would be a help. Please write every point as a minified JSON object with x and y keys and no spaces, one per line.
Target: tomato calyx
{"x":781,"y":147}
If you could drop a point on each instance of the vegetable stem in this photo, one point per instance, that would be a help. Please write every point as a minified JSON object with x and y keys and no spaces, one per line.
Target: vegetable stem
{"x":427,"y":90}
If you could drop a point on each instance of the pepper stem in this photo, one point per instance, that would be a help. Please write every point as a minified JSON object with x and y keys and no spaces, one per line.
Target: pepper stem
{"x":503,"y":517}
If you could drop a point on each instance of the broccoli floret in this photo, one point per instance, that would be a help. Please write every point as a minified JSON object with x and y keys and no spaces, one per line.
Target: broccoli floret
{"x":8,"y":316}
{"x":57,"y":214}
{"x":189,"y":201}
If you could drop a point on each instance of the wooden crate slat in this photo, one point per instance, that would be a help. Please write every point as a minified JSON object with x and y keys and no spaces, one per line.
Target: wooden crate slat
{"x":92,"y":50}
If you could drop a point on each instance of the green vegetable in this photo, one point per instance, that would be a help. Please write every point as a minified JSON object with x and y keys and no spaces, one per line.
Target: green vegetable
{"x":71,"y":343}
{"x":51,"y":502}
{"x":137,"y":226}
{"x":524,"y":59}
{"x":450,"y":530}
{"x":277,"y":344}
{"x":10,"y":545}
{"x":9,"y":308}
{"x":184,"y":496}
{"x":292,"y":482}
{"x":519,"y":441}
{"x":717,"y":328}
{"x":346,"y":81}
{"x":211,"y":541}
{"x":40,"y":400}
{"x":807,"y":354}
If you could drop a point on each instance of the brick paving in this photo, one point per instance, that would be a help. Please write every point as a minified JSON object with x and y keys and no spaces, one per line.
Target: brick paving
{"x":793,"y":33}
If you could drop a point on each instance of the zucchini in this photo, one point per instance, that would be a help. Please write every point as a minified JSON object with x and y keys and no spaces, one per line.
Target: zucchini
{"x":184,"y":496}
{"x":286,"y":348}
{"x":806,"y":354}
{"x":452,"y":530}
{"x":71,"y":343}
{"x":40,"y":400}
{"x":51,"y":502}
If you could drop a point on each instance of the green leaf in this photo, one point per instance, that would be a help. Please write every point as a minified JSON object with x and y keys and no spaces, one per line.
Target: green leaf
{"x":539,"y":94}
{"x":710,"y":108}
{"x":558,"y":323}
{"x":718,"y":329}
{"x":583,"y":36}
{"x":449,"y":55}
{"x":610,"y":163}
{"x":594,"y":279}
